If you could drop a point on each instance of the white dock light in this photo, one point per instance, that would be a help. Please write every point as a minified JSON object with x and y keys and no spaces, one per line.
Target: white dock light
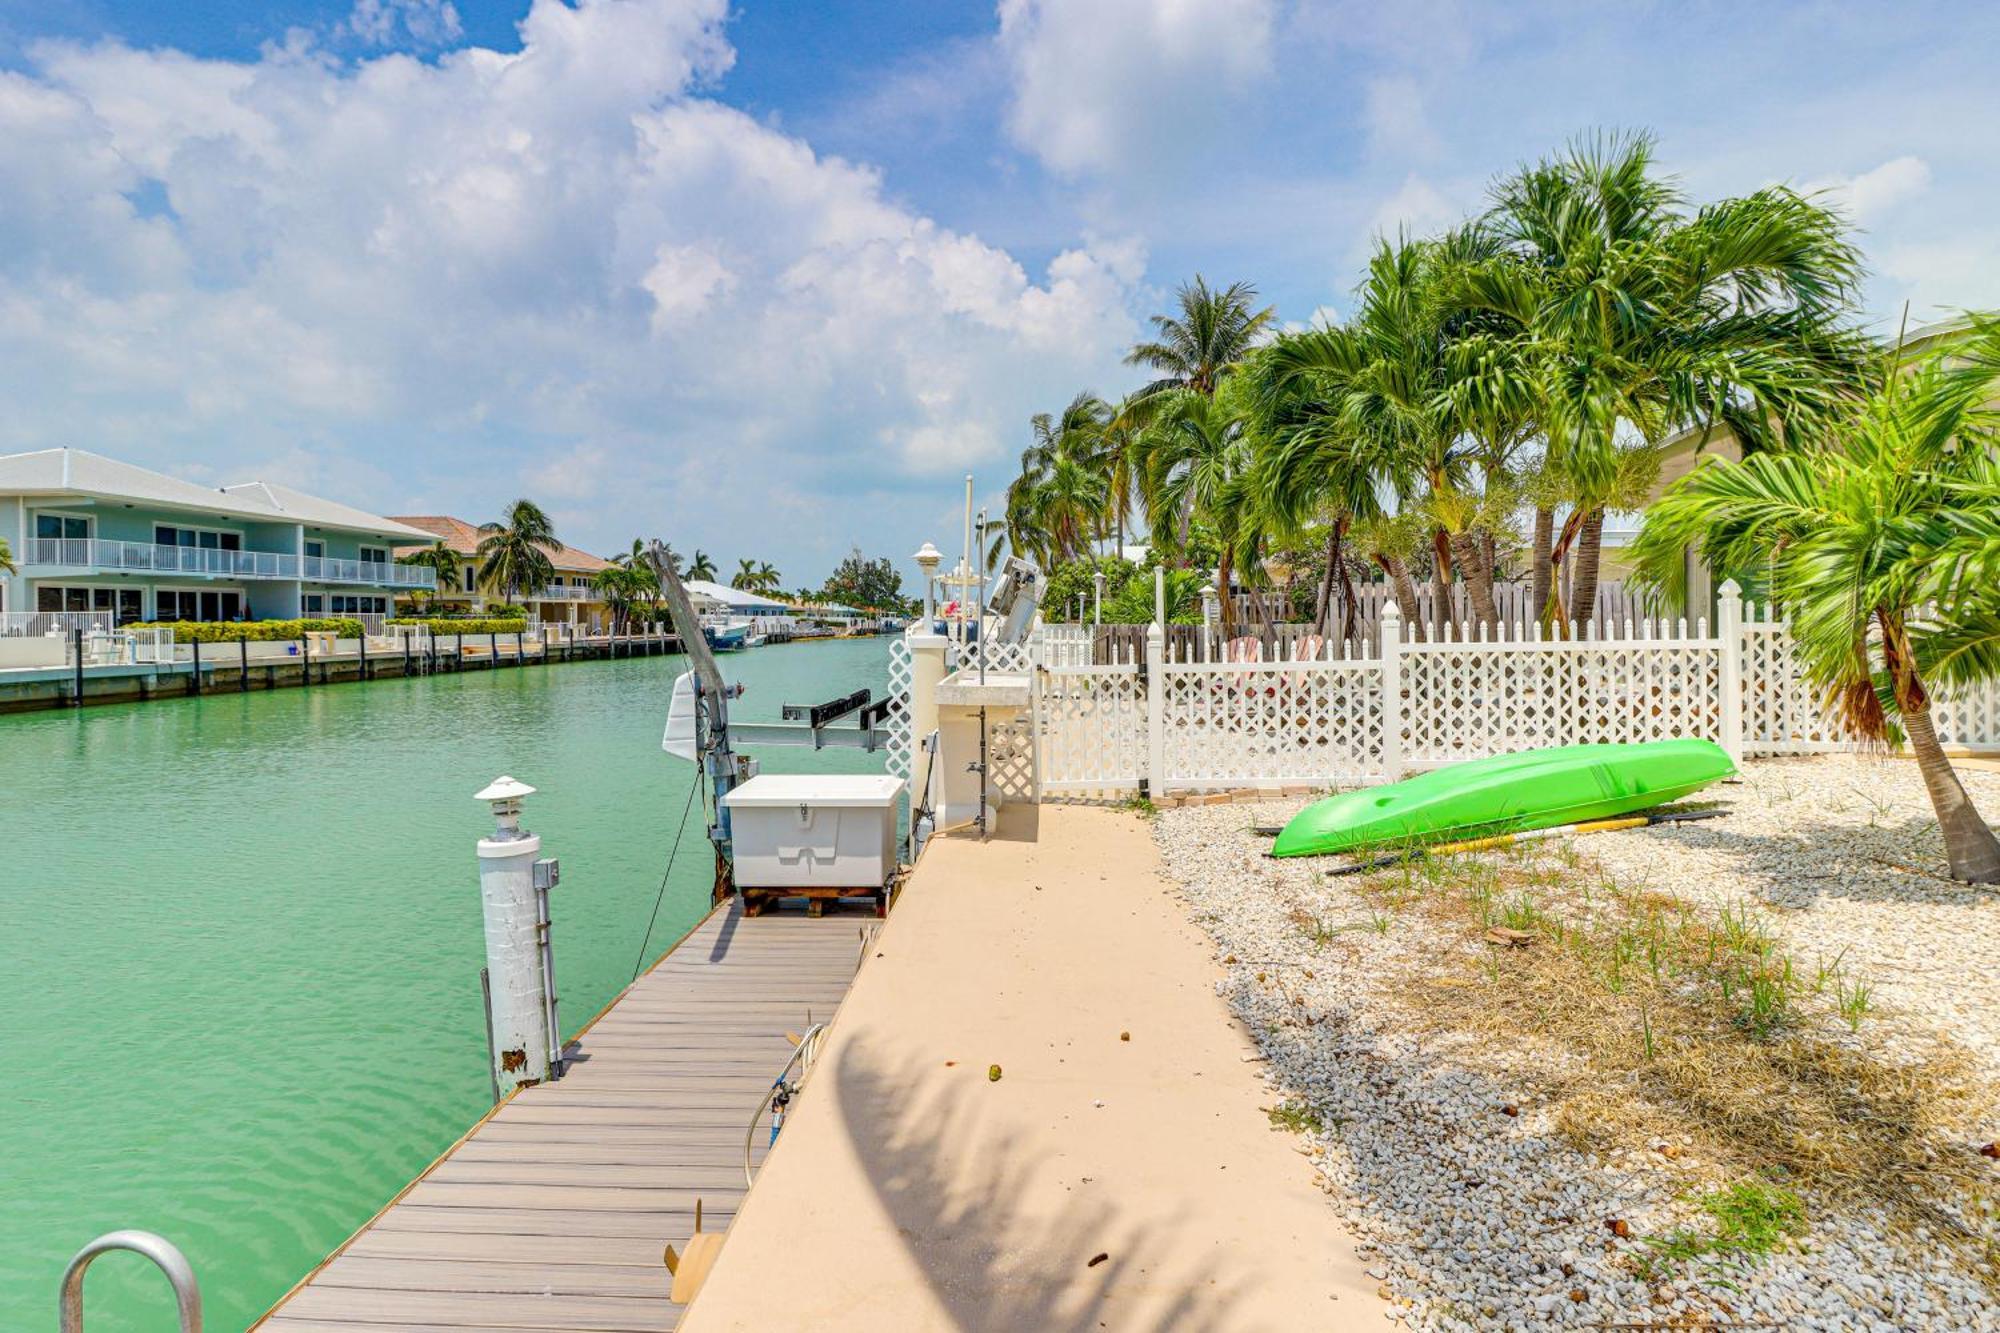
{"x":1097,"y":607}
{"x":928,"y":558}
{"x":504,"y":794}
{"x":525,"y":1033}
{"x":1209,"y":602}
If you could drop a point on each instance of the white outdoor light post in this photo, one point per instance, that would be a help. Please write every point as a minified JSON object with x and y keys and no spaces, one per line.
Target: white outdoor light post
{"x":513,"y":896}
{"x":1097,"y":607}
{"x":928,"y":557}
{"x":1208,"y":605}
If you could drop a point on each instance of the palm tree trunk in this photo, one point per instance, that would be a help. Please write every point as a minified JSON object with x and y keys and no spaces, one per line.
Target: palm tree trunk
{"x":1466,"y":547}
{"x":1969,"y":845}
{"x":1228,"y":600}
{"x":1406,"y":594}
{"x":1326,"y":578}
{"x":1544,"y":568}
{"x":1589,"y":544}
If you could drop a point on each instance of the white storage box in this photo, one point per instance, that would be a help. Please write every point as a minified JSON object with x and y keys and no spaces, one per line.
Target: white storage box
{"x":814,"y":831}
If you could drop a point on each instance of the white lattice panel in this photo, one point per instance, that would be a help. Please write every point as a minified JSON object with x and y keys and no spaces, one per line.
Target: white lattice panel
{"x":1000,"y":658}
{"x":1969,"y":717}
{"x":1781,"y":709}
{"x":1010,"y":758}
{"x":1091,"y":723}
{"x":901,"y":745}
{"x":1464,"y":701}
{"x":1295,"y":723}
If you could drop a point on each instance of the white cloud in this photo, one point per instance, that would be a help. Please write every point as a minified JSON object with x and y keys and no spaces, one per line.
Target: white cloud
{"x":1396,"y":119}
{"x":1871,"y":194}
{"x":425,"y":22}
{"x":1117,"y":87}
{"x":561,"y":268}
{"x":1416,"y":207}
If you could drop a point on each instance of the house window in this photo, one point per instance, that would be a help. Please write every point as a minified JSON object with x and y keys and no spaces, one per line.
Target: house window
{"x":374,"y":555}
{"x":125,"y":604}
{"x":189,"y":604}
{"x":314,"y":603}
{"x":61,"y":527}
{"x":315,"y":550}
{"x":346,"y":605}
{"x":468,"y":578}
{"x":207,"y":539}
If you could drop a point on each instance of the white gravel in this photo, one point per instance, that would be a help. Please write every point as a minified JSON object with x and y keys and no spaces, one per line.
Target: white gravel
{"x":1481,"y":1220}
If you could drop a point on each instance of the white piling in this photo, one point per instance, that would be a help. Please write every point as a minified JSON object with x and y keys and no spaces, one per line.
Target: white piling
{"x":513,"y":954}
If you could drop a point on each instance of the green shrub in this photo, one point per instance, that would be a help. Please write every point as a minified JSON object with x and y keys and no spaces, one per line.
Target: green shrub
{"x":255,"y":631}
{"x":445,"y":626}
{"x":490,"y":613}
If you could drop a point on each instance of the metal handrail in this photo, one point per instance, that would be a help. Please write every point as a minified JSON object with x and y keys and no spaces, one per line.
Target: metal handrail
{"x":187,"y":1293}
{"x":803,"y":1056}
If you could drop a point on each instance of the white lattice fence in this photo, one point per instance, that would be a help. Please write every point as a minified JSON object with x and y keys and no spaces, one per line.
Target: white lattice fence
{"x":1285,"y":723}
{"x":901,"y":744}
{"x":1781,"y":710}
{"x":1091,"y":725}
{"x":1969,"y":717}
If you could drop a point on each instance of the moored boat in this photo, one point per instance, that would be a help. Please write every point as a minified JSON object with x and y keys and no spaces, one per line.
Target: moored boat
{"x":1507,"y":793}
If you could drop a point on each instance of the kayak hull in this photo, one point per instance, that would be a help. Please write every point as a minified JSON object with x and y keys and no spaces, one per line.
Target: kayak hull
{"x":1507,"y":793}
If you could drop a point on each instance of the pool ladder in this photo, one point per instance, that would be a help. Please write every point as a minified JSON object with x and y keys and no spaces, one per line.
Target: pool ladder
{"x":187,"y":1295}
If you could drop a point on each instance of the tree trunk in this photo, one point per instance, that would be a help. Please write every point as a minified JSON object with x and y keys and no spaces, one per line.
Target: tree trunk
{"x":1406,"y":594}
{"x":1544,"y":569}
{"x":1326,"y":578}
{"x":1969,"y":846}
{"x":1222,"y":587}
{"x":1466,"y":547}
{"x":1441,"y":616}
{"x":1589,"y":541}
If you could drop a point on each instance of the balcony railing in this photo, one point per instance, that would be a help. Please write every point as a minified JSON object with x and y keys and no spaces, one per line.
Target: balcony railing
{"x":94,"y":553}
{"x":323,"y":569}
{"x":558,"y":592}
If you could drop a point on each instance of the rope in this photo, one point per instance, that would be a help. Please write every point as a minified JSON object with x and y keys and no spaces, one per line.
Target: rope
{"x":660,"y":897}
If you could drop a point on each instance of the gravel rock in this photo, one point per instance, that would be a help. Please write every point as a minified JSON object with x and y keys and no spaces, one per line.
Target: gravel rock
{"x":1478,"y":1220}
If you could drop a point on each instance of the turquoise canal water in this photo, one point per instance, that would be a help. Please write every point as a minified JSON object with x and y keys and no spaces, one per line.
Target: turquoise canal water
{"x":240,"y":946}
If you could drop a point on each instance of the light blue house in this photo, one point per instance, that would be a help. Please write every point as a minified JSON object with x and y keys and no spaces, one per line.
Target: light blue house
{"x":89,"y":533}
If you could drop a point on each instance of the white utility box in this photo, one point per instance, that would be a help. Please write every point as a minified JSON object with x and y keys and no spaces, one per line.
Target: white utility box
{"x":814,"y":831}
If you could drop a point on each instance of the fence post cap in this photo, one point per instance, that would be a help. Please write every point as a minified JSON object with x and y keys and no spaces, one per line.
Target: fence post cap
{"x":1390,"y":612}
{"x":1730,"y":588}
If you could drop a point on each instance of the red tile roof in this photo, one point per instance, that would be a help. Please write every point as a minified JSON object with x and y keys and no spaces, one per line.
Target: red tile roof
{"x":463,"y":538}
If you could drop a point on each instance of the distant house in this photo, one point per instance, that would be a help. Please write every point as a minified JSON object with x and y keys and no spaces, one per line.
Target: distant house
{"x":1682,"y":453}
{"x":90,"y":533}
{"x":567,"y":598}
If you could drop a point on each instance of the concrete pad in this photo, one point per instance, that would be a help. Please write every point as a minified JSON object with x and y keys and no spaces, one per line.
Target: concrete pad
{"x":910,"y":1192}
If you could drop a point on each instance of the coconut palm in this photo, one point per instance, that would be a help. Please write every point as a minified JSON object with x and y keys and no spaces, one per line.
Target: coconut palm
{"x":514,"y":553}
{"x":701,"y":567}
{"x":1881,"y":540}
{"x":1196,"y":348}
{"x":745,"y":576}
{"x":7,"y":565}
{"x":1632,"y":316}
{"x":1197,"y":464}
{"x":441,"y":560}
{"x":1058,"y":503}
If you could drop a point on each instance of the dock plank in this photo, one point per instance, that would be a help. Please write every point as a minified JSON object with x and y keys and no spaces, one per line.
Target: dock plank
{"x":552,"y":1213}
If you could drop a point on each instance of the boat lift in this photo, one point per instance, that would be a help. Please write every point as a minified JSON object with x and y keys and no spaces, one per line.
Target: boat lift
{"x":699,"y":729}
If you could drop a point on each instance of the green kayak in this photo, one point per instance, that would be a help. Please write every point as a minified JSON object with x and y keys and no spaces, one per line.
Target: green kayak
{"x":1507,"y":794}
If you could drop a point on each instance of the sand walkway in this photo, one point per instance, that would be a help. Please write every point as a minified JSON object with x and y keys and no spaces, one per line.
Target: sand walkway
{"x":910,"y":1192}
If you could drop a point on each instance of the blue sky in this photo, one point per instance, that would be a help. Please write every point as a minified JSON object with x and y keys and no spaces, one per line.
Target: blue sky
{"x":766,"y":278}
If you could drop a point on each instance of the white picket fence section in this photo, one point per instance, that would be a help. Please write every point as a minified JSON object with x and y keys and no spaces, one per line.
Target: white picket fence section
{"x":1187,"y":722}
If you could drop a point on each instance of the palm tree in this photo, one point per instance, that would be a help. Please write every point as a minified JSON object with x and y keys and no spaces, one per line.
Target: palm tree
{"x":514,"y":553}
{"x":1196,"y":348}
{"x":7,"y":565}
{"x":1197,"y":460}
{"x":441,"y":560}
{"x":745,"y":575}
{"x":624,"y":588}
{"x":702,"y":567}
{"x":767,"y":578}
{"x":1057,"y":505}
{"x":1631,"y":317}
{"x":1862,"y":529}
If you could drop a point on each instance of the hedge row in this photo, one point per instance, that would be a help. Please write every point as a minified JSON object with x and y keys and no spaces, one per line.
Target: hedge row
{"x":444,"y":627}
{"x":256,"y":631}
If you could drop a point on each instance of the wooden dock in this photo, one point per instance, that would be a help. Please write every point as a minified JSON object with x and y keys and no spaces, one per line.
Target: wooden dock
{"x":552,"y":1212}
